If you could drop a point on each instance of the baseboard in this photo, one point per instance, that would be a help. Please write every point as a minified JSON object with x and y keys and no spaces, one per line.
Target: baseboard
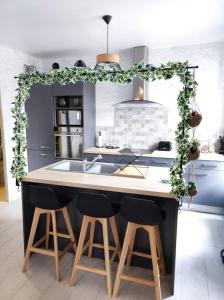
{"x":204,"y":208}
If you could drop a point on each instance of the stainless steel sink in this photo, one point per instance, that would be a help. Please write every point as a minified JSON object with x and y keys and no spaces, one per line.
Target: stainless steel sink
{"x":77,"y":166}
{"x":69,"y":166}
{"x":102,"y":168}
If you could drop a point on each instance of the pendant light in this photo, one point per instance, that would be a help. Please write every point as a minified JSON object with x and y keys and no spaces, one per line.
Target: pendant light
{"x":108,"y":60}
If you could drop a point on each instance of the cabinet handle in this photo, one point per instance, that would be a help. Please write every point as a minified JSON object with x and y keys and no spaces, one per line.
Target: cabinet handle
{"x":201,"y":175}
{"x":65,"y":135}
{"x":160,"y":162}
{"x":208,"y":166}
{"x":141,"y":161}
{"x":43,"y":154}
{"x":45,"y":147}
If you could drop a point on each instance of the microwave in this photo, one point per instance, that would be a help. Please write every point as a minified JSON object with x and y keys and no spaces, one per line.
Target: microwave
{"x":69,"y":117}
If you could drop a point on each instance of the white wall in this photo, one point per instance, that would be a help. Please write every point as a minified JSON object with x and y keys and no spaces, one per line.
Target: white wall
{"x":210,"y":77}
{"x":11,"y":64}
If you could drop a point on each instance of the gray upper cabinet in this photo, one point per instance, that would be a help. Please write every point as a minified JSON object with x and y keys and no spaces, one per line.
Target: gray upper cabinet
{"x":39,"y":109}
{"x":72,"y":89}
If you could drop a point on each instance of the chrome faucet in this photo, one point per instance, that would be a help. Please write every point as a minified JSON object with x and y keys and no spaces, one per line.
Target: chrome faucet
{"x":86,"y":165}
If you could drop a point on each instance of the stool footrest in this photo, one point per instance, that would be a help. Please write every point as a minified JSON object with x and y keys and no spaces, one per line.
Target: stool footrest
{"x":138,"y":280}
{"x":101,"y":246}
{"x":42,"y":251}
{"x":91,"y":269}
{"x":65,"y":250}
{"x":142,"y":254}
{"x":62,"y":235}
{"x":39,"y":242}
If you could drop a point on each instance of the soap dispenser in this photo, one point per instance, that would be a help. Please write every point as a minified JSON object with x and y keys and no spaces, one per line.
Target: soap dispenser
{"x":100,"y":140}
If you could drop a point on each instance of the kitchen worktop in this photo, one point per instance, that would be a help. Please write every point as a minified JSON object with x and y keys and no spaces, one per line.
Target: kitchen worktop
{"x":151,"y":186}
{"x":156,"y":153}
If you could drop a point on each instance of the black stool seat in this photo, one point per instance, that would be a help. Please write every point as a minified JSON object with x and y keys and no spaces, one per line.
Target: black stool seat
{"x":96,"y":205}
{"x":46,"y":198}
{"x":140,"y":211}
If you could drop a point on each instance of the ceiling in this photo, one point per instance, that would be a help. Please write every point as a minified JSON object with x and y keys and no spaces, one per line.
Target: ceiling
{"x":51,"y":28}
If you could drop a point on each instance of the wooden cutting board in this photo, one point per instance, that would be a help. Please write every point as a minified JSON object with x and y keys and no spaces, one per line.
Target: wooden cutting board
{"x":134,"y":172}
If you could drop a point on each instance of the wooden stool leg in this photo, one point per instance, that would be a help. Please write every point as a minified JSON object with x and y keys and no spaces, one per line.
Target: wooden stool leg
{"x":160,"y":250}
{"x":69,"y":227}
{"x":48,"y":219}
{"x":82,"y":236}
{"x":124,"y":252}
{"x":131,"y":246}
{"x":31,"y":237}
{"x":152,"y":240}
{"x":115,"y":236}
{"x":91,"y":237}
{"x":106,"y":255}
{"x":56,"y":253}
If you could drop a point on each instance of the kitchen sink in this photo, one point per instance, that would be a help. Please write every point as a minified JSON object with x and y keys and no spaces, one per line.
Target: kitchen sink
{"x":102,"y":168}
{"x":69,"y":166}
{"x":77,"y":166}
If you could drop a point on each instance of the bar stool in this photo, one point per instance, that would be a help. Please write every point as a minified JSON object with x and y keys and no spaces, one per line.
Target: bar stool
{"x":46,"y":201}
{"x":145,"y":214}
{"x":96,"y":207}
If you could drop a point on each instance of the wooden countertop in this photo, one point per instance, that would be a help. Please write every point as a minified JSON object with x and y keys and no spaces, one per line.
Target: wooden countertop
{"x":150,"y":186}
{"x":156,"y":153}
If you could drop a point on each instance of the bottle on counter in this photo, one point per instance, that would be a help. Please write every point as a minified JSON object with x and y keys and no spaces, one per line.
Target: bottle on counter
{"x":100,"y":140}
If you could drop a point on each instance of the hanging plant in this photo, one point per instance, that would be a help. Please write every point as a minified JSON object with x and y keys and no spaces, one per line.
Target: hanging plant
{"x":146,"y":72}
{"x":194,"y":151}
{"x":192,"y":189}
{"x":195,"y":119}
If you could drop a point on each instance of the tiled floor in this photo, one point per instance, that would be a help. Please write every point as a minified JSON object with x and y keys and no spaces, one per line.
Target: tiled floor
{"x":199,"y":271}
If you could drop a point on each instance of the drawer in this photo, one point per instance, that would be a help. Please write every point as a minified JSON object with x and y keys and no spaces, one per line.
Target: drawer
{"x":209,"y":165}
{"x":161,"y":162}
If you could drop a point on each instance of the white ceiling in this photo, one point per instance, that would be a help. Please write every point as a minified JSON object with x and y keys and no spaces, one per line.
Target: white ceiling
{"x":48,"y":28}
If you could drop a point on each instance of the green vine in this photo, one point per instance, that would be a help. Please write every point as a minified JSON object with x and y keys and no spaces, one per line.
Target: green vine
{"x":146,"y":72}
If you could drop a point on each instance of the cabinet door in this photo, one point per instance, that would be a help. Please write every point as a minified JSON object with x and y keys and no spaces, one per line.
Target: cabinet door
{"x":39,"y":109}
{"x":210,"y":188}
{"x":39,"y":159}
{"x":72,"y":89}
{"x":161,"y":162}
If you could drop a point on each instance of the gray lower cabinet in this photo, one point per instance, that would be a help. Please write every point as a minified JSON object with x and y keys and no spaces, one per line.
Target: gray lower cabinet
{"x":209,"y":179}
{"x":161,"y":162}
{"x":125,"y":159}
{"x":38,"y":159}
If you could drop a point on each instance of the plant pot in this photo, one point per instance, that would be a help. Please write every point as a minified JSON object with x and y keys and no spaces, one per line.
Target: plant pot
{"x":192,"y":192}
{"x":194,"y":154}
{"x":194,"y":120}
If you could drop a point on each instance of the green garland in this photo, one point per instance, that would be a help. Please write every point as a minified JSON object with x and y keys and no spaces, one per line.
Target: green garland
{"x":146,"y":72}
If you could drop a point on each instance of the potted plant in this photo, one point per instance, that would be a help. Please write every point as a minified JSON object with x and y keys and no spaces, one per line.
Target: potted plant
{"x":195,"y":119}
{"x":192,"y":189}
{"x":194,"y":151}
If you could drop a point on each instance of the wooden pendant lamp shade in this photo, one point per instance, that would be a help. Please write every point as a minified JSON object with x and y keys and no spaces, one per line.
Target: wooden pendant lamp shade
{"x":107,"y":58}
{"x":111,"y":59}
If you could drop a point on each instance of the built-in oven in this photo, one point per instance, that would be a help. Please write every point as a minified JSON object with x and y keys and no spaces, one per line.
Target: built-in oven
{"x":69,"y":143}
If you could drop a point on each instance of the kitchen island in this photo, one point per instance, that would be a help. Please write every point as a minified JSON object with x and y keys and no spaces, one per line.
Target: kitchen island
{"x":70,"y":183}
